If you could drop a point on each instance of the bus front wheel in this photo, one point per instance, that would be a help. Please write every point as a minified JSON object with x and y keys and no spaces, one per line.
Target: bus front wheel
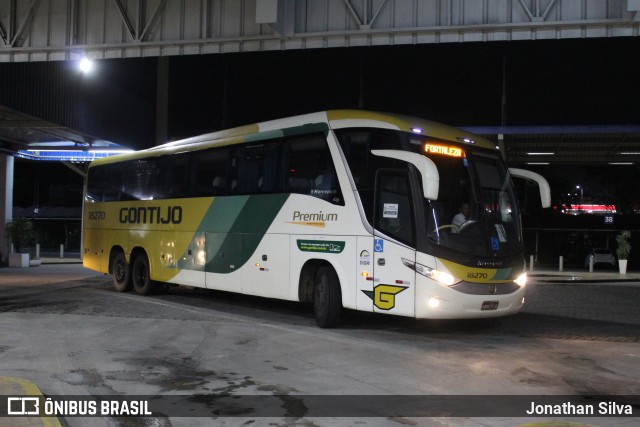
{"x":121,"y":273}
{"x":327,"y":299}
{"x":140,"y":275}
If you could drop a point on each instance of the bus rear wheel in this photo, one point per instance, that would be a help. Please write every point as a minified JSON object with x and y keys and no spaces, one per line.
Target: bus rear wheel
{"x":327,"y":299}
{"x":121,"y":273}
{"x":140,"y":275}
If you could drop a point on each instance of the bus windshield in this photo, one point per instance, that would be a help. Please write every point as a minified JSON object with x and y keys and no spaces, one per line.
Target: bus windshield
{"x":475,"y":214}
{"x":476,"y":211}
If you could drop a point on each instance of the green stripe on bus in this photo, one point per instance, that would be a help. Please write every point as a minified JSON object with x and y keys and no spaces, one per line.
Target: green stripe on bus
{"x":228,"y":250}
{"x":222,"y":214}
{"x":505,"y":274}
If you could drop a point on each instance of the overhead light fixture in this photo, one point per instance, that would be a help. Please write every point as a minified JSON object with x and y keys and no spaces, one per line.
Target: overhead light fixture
{"x":111,"y":151}
{"x":621,"y":163}
{"x":67,"y":155}
{"x":630,"y":153}
{"x":86,"y":65}
{"x":466,"y":140}
{"x":538,"y":163}
{"x":541,"y":154}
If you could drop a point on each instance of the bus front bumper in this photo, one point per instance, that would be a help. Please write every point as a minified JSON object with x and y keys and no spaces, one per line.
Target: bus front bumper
{"x":439,"y":302}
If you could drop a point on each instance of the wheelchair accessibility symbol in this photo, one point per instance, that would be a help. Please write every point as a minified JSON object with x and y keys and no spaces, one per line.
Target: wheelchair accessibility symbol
{"x":378,"y":245}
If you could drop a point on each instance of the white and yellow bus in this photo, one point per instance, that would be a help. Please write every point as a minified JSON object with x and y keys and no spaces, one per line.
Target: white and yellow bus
{"x":344,"y":209}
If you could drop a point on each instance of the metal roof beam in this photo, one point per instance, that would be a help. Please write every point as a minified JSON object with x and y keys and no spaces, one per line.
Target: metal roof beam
{"x":126,"y":20}
{"x":541,"y":130}
{"x":119,"y":28}
{"x":16,"y":40}
{"x":34,"y":124}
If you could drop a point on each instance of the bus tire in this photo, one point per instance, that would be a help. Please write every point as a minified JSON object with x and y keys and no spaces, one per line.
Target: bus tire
{"x":327,"y":299}
{"x":140,"y":275}
{"x":121,"y":273}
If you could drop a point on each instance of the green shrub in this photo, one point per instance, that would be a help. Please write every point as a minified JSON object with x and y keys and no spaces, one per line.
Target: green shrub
{"x":21,"y":233}
{"x":624,"y":247}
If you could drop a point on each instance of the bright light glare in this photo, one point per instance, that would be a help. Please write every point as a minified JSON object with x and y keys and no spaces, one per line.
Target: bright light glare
{"x":433,"y":302}
{"x":443,"y":278}
{"x":416,"y":130}
{"x":86,"y":65}
{"x":521,"y":280}
{"x":121,"y":151}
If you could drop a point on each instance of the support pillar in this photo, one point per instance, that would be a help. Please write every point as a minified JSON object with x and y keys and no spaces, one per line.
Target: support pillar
{"x":162,"y":99}
{"x":6,"y":203}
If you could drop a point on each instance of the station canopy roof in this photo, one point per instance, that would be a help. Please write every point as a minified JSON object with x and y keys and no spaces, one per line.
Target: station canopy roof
{"x":29,"y":137}
{"x":585,"y":144}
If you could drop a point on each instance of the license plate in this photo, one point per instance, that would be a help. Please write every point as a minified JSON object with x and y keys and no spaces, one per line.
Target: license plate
{"x":490,"y":305}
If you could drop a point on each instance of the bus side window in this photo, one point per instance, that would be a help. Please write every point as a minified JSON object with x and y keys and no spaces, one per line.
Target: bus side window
{"x":307,"y":168}
{"x":141,"y":177}
{"x":175,"y":175}
{"x":269,"y":168}
{"x":105,"y":183}
{"x":96,"y":184}
{"x":211,"y":172}
{"x":248,"y":159}
{"x":115,"y":184}
{"x":257,"y":168}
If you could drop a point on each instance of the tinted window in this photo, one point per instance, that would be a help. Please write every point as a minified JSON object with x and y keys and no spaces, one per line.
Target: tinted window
{"x":141,"y":179}
{"x":255,"y":168}
{"x":176,"y":176}
{"x":211,"y":172}
{"x":308,"y":168}
{"x":105,"y":183}
{"x":357,"y":145}
{"x":300,"y":164}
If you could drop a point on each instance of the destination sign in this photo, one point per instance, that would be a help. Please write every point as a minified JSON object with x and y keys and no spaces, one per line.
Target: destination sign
{"x":446,"y":150}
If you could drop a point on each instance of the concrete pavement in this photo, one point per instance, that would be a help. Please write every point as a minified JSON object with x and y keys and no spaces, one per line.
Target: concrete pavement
{"x":66,"y":271}
{"x":542,"y":274}
{"x":583,"y":276}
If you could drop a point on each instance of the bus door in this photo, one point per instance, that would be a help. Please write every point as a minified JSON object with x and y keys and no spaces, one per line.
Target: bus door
{"x":394,"y":239}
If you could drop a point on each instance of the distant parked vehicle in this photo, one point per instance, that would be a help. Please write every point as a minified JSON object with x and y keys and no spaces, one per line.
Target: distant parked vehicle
{"x":600,"y":256}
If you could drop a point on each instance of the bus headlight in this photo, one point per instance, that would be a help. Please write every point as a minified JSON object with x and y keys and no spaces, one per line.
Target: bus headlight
{"x":521,"y":280}
{"x":441,"y":277}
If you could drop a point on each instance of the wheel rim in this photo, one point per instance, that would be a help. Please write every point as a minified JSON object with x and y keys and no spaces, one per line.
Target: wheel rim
{"x":119,"y":272}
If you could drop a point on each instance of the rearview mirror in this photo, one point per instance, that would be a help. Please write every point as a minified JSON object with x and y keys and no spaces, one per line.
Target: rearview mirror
{"x":543,"y":185}
{"x":426,"y":167}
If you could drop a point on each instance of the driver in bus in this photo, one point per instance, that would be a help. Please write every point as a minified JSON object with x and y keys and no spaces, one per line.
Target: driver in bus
{"x":461,"y":217}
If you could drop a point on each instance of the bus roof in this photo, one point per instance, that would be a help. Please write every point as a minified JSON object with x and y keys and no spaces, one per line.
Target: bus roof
{"x":307,"y":123}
